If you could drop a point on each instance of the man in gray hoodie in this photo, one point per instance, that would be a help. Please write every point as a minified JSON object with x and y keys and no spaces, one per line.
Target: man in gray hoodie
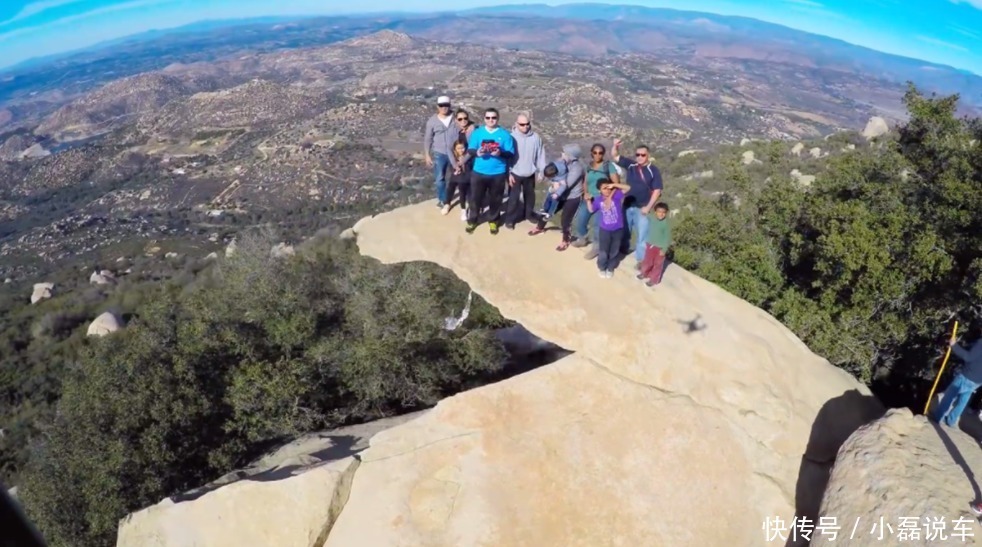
{"x":439,"y":136}
{"x":963,"y":385}
{"x":526,"y":167}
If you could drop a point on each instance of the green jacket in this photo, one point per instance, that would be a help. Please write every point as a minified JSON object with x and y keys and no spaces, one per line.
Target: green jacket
{"x":659,"y":233}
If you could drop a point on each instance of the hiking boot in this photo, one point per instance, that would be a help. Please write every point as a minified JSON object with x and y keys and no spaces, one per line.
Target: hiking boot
{"x":494,"y":227}
{"x":592,"y":253}
{"x":470,"y":228}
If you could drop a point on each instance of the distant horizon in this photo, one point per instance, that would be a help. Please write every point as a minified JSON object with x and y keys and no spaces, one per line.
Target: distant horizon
{"x":27,"y":26}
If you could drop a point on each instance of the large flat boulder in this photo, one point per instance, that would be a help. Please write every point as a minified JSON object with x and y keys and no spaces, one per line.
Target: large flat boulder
{"x":289,"y":497}
{"x":686,"y":416}
{"x":915,"y":474}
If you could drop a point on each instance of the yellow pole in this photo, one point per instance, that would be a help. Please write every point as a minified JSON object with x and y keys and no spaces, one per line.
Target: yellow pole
{"x":940,"y":372}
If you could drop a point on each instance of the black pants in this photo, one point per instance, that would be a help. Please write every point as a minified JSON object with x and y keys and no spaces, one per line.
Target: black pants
{"x":609,"y":248}
{"x":569,"y":207}
{"x":525,"y":189}
{"x":463,"y":188}
{"x":486,"y":189}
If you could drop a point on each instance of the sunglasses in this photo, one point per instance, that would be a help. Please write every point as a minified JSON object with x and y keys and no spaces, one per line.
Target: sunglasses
{"x":445,"y":105}
{"x":524,"y":124}
{"x":641,"y":155}
{"x":490,"y":117}
{"x":461,"y":119}
{"x":597,"y":152}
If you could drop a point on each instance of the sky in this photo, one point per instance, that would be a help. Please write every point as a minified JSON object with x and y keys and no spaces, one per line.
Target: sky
{"x":942,"y":31}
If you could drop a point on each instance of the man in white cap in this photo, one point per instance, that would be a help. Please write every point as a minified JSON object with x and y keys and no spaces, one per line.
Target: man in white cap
{"x":439,"y":136}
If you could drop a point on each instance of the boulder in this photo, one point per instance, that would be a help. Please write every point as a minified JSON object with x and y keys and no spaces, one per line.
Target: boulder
{"x":41,"y":292}
{"x":875,"y":127}
{"x":815,"y":152}
{"x":625,"y":441}
{"x":281,"y":250}
{"x":909,"y":471}
{"x":107,"y":323}
{"x":291,"y":496}
{"x":748,"y":157}
{"x":230,"y":249}
{"x":797,"y":149}
{"x":104,"y":277}
{"x":348,"y":233}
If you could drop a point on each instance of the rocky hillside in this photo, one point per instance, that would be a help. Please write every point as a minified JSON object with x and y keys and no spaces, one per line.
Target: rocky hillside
{"x":679,"y":399}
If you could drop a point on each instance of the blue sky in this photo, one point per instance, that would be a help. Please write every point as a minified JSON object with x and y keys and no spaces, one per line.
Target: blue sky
{"x":942,"y":31}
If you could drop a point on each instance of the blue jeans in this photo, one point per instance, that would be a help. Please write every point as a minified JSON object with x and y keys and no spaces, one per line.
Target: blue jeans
{"x":440,"y":163}
{"x":955,"y":400}
{"x":549,"y":205}
{"x":637,"y":224}
{"x":582,"y":222}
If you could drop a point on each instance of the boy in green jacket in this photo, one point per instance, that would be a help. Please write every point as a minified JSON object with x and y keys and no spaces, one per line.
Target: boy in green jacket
{"x":658,"y":240}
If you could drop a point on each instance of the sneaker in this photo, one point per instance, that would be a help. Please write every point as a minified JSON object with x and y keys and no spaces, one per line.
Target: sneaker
{"x":591,"y":254}
{"x":463,"y":215}
{"x":494,"y":227}
{"x":976,"y":508}
{"x":510,"y":226}
{"x":470,"y":228}
{"x":579,"y":242}
{"x":649,"y":284}
{"x":610,"y":274}
{"x":439,"y":204}
{"x":639,"y":276}
{"x":445,"y":210}
{"x":603,"y":274}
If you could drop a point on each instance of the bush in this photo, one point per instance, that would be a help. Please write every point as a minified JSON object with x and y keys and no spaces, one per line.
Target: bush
{"x":257,"y":350}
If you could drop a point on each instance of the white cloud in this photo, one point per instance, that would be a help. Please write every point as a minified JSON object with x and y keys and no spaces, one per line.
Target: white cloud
{"x":35,"y":8}
{"x":133,"y":4}
{"x":941,"y":43}
{"x":973,"y":3}
{"x":966,"y":32}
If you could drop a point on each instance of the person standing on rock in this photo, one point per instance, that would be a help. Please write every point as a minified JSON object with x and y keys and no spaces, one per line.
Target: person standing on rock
{"x":492,"y":149}
{"x":646,"y":187}
{"x":598,"y":168}
{"x":571,"y":196}
{"x":962,"y":386}
{"x":526,"y":168}
{"x":439,"y":136}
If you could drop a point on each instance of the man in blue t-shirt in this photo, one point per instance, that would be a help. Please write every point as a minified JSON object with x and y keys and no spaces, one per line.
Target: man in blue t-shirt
{"x":492,"y":149}
{"x":646,"y":187}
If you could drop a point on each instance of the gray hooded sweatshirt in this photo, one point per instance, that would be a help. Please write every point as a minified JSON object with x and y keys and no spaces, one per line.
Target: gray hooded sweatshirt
{"x":530,"y":154}
{"x":440,"y":139}
{"x":575,"y":174}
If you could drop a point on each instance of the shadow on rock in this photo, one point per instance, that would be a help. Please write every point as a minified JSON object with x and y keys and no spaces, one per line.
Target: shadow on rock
{"x":836,"y":421}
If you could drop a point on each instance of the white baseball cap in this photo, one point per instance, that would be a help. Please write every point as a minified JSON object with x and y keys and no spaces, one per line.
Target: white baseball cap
{"x":443,"y":100}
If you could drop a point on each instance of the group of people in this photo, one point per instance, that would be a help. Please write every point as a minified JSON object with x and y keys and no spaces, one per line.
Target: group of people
{"x":482,"y":164}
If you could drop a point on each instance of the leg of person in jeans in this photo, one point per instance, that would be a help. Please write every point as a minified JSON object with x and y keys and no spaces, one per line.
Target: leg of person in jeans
{"x":955,"y":400}
{"x":582,"y":224}
{"x":440,"y":163}
{"x":641,"y":233}
{"x":631,"y":222}
{"x":496,"y":186}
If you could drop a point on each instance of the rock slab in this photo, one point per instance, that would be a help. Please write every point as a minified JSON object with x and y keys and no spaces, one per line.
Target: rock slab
{"x":675,"y":401}
{"x":910,"y":472}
